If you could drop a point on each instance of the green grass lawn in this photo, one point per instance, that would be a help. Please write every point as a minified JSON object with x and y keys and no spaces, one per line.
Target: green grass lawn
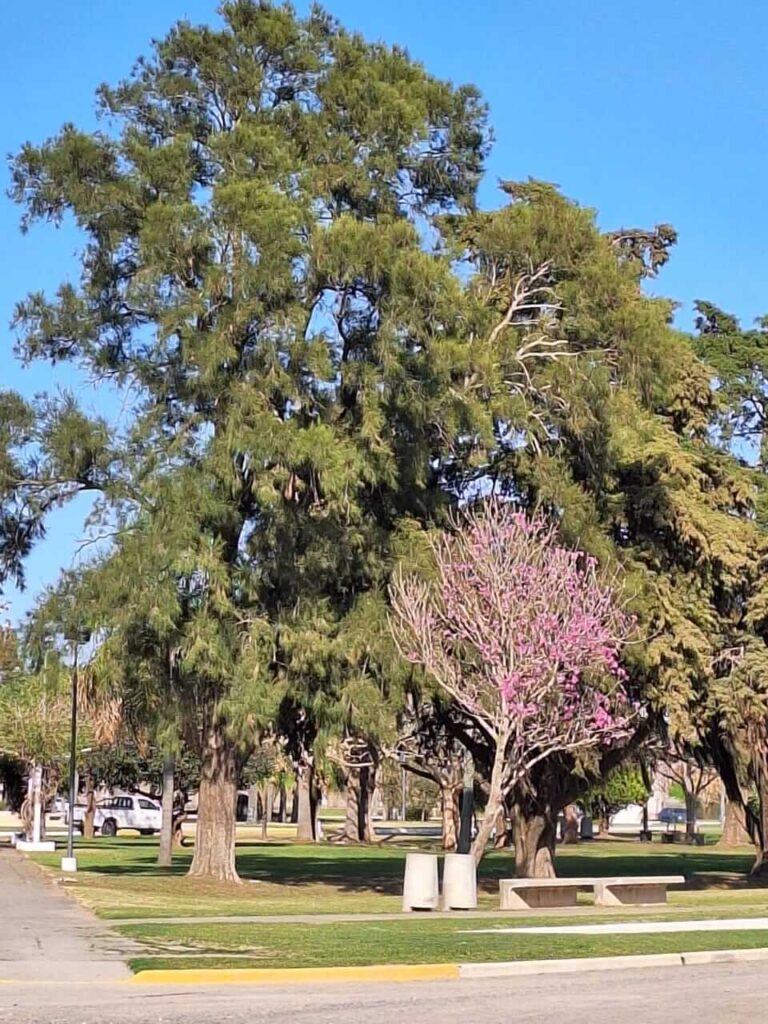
{"x":118,"y":878}
{"x":426,"y":941}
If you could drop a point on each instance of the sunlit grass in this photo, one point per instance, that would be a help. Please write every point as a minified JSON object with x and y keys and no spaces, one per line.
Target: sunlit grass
{"x":424,"y":941}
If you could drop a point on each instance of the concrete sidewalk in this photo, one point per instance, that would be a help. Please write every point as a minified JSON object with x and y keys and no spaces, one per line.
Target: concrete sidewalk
{"x":558,"y":913}
{"x":45,"y":935}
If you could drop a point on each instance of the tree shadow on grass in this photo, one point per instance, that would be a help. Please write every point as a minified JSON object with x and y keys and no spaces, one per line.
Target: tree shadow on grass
{"x":379,"y":870}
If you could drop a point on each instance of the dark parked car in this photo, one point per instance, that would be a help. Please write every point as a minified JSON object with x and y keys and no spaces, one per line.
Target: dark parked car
{"x":673,"y":816}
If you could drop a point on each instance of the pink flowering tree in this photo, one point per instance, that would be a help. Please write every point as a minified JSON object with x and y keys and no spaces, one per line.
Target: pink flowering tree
{"x":524,"y":636}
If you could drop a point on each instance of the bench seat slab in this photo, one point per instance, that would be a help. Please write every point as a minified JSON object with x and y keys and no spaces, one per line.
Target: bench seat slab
{"x":538,"y":897}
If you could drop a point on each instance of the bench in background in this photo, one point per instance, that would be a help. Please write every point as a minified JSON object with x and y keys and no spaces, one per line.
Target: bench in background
{"x":538,"y":893}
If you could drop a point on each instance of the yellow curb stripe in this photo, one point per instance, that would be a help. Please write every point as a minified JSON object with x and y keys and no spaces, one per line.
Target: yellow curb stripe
{"x":297,"y":975}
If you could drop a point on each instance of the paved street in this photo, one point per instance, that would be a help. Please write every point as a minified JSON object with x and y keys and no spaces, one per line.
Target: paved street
{"x":695,"y":995}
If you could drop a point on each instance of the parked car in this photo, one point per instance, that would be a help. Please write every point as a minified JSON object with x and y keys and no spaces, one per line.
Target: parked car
{"x":123,"y":812}
{"x":57,"y":808}
{"x":673,"y":816}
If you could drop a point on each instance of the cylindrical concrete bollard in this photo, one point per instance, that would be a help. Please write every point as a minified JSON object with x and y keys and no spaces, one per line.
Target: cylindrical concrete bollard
{"x":420,"y":888}
{"x":459,"y":882}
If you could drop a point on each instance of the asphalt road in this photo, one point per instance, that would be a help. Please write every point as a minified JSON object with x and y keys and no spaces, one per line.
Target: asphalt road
{"x":691,"y":995}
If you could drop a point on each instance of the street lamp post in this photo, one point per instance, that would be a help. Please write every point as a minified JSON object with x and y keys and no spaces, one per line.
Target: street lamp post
{"x":69,"y":863}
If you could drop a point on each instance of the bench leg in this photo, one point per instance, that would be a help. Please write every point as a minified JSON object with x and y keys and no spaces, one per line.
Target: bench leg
{"x":622,"y":895}
{"x":539,"y":898}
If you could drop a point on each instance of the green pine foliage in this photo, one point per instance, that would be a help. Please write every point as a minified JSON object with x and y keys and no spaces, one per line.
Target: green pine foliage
{"x":254,"y":210}
{"x":325,"y":347}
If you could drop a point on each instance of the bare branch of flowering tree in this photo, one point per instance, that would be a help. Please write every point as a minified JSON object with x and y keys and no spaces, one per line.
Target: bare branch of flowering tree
{"x":524,"y":636}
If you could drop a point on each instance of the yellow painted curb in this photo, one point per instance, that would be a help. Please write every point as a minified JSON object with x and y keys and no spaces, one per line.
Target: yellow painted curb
{"x":297,"y":975}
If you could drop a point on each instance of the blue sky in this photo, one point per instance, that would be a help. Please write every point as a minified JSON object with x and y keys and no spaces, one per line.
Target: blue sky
{"x":651,"y":113}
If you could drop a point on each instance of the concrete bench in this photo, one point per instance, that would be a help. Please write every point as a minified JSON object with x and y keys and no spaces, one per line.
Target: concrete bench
{"x":538,"y":893}
{"x":525,"y":893}
{"x":617,"y":892}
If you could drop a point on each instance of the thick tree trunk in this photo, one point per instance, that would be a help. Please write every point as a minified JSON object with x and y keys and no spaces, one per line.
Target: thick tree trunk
{"x":571,"y":829}
{"x":305,"y":821}
{"x":214,"y":855}
{"x":353,"y":826}
{"x":449,"y":810}
{"x":89,"y":829}
{"x":734,"y":829}
{"x":282,"y":804}
{"x":165,"y":853}
{"x":534,"y":845}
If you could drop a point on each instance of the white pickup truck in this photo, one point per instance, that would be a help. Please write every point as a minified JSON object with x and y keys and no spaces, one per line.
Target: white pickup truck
{"x":123,"y":812}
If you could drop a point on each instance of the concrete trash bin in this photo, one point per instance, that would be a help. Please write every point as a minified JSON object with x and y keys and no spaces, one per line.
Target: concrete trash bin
{"x":420,"y":887}
{"x":459,"y":882}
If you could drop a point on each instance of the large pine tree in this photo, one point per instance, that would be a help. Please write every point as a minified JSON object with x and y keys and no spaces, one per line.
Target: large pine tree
{"x":259,"y":210}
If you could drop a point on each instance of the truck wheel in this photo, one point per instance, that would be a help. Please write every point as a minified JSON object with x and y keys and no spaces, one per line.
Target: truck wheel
{"x":109,"y":827}
{"x":146,"y":831}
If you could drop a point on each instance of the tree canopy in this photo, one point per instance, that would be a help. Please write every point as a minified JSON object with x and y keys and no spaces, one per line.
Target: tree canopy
{"x":325,"y":347}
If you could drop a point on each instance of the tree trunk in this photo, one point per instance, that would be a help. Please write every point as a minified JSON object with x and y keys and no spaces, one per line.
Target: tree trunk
{"x":305,"y":823}
{"x":367,"y":791}
{"x":38,"y":810}
{"x":501,"y":832}
{"x":89,"y":829}
{"x":495,"y":800}
{"x":266,"y":820}
{"x":353,"y":827}
{"x":214,"y":855}
{"x":179,"y":817}
{"x":282,"y":804}
{"x":760,"y":867}
{"x":734,"y":830}
{"x":449,"y":810}
{"x":467,"y":806}
{"x":25,"y":814}
{"x":165,"y":853}
{"x":252,"y":814}
{"x":534,"y":845}
{"x":294,"y":816}
{"x":571,"y":829}
{"x":690,"y":815}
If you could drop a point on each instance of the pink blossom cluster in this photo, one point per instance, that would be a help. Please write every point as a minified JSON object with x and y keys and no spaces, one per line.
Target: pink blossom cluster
{"x":525,"y":634}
